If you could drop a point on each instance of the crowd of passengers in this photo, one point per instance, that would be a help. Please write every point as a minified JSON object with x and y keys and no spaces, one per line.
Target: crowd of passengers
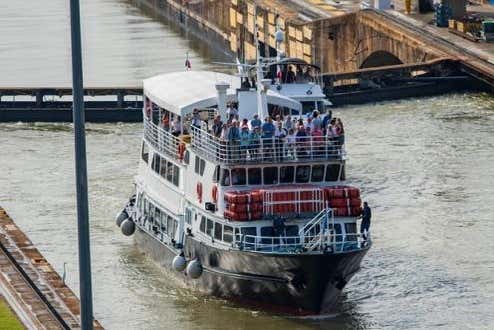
{"x":277,"y":136}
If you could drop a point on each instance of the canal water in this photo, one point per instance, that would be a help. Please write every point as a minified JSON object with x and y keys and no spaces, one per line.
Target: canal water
{"x":424,"y":165}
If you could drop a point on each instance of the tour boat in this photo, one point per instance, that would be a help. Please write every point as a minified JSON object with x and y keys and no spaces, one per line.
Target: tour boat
{"x":270,"y":223}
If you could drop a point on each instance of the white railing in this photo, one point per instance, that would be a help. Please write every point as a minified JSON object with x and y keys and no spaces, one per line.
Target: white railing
{"x":265,"y":149}
{"x":161,"y":139}
{"x":328,"y":242}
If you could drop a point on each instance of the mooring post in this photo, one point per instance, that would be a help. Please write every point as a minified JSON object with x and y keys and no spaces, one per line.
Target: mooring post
{"x":81,"y":170}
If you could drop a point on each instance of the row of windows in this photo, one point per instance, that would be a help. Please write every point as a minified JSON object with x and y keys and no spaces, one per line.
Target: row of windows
{"x":166,"y":169}
{"x":284,"y":174}
{"x":158,"y":220}
{"x":216,"y":230}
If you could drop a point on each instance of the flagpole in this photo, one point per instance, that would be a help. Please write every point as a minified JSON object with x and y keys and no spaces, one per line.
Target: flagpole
{"x":86,"y":304}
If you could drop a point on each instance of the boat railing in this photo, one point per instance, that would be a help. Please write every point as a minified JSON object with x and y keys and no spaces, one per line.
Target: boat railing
{"x":297,"y":204}
{"x":327,"y":241}
{"x":265,"y":150}
{"x":162,"y":140}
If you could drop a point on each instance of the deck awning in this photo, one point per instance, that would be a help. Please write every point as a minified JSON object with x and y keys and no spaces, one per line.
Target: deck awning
{"x":182,"y":92}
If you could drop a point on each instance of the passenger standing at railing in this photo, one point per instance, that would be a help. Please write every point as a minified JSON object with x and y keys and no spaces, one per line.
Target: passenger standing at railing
{"x":332,"y":135}
{"x":231,"y":112}
{"x":244,"y":141}
{"x":267,"y":137}
{"x":279,"y":135}
{"x":234,"y":141}
{"x":300,"y":141}
{"x":217,"y":126}
{"x":316,"y":120}
{"x":256,"y":122}
{"x":287,"y":123}
{"x":165,"y":123}
{"x":325,"y":122}
{"x":255,"y":137}
{"x":317,"y":142}
{"x":176,"y":126}
{"x":290,"y":143}
{"x":341,"y":132}
{"x":366,"y":221}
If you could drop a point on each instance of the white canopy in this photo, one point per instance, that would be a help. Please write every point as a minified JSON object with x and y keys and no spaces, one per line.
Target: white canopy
{"x":182,"y":92}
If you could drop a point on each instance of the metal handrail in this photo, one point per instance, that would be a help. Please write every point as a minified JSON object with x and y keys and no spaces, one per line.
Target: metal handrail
{"x":265,"y":150}
{"x":162,"y":140}
{"x":328,"y":242}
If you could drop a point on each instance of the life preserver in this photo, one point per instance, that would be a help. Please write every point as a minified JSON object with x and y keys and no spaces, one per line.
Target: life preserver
{"x":214,"y":194}
{"x":199,"y":191}
{"x":181,"y":150}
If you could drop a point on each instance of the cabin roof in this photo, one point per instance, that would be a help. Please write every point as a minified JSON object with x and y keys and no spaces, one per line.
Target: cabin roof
{"x":182,"y":92}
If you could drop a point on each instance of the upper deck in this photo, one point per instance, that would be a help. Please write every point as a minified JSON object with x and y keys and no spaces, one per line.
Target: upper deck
{"x":219,"y":120}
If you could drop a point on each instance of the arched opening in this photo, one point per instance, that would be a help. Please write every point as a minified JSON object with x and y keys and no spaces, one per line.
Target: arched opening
{"x":380,"y":58}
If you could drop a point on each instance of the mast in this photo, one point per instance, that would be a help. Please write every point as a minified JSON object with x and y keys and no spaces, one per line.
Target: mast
{"x":261,"y":107}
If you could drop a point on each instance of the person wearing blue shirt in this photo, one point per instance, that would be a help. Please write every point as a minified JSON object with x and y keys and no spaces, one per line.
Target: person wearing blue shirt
{"x":267,"y":136}
{"x":256,"y":122}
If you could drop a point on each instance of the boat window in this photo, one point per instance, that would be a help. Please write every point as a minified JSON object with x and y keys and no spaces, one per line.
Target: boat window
{"x":196,"y":164}
{"x":238,"y":176}
{"x":268,"y":236}
{"x":225,"y":177}
{"x":209,"y":227}
{"x":292,"y":233}
{"x":163,"y":168}
{"x":155,"y":164}
{"x":337,"y":231}
{"x":175,"y":175}
{"x":317,"y":173}
{"x":286,"y":174}
{"x":163,"y":222}
{"x":151,"y":214}
{"x":250,"y":231}
{"x":227,"y":234}
{"x":202,"y":226}
{"x":343,"y":174}
{"x":145,"y":152}
{"x":351,"y":231}
{"x":270,"y":175}
{"x":157,"y":216}
{"x":202,"y":167}
{"x":218,"y":229}
{"x":303,"y":174}
{"x":216,"y":174}
{"x":255,"y":176}
{"x":332,"y":172}
{"x":187,"y":157}
{"x":170,"y":226}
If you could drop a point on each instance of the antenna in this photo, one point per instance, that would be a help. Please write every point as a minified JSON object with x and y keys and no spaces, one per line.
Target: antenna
{"x":259,"y":75}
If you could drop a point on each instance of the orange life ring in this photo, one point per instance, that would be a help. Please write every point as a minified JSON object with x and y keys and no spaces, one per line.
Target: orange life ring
{"x":199,"y":191}
{"x":214,"y":193}
{"x":181,"y":150}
